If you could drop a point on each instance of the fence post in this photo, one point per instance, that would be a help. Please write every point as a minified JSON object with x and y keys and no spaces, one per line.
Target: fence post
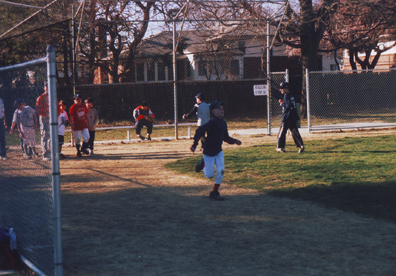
{"x":308,"y":102}
{"x":53,"y":106}
{"x":268,"y":77}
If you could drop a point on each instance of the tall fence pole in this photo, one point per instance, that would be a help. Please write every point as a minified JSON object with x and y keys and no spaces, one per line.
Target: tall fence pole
{"x":175,"y":80}
{"x":268,"y":78}
{"x":308,"y":101}
{"x":53,"y":107}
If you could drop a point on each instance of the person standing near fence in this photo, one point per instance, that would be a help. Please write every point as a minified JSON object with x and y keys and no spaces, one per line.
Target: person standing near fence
{"x":15,"y":120}
{"x":289,"y":120}
{"x":3,"y":127}
{"x":144,"y":117}
{"x":78,"y":120}
{"x":217,"y":132}
{"x":42,"y":108}
{"x":27,"y":125}
{"x":92,"y":120}
{"x":63,"y":119}
{"x":201,"y":108}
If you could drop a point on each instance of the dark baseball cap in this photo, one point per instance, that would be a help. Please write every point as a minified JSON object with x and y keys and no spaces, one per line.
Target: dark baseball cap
{"x":215,"y":104}
{"x":200,"y":96}
{"x":284,"y":85}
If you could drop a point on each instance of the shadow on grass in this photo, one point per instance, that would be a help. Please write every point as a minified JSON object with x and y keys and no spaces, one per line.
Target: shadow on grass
{"x":375,"y":200}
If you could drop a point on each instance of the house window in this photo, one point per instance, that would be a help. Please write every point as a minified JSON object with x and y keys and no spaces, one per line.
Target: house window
{"x":150,"y":71}
{"x":219,"y":67}
{"x":235,"y":67}
{"x":140,"y":72}
{"x":161,"y":71}
{"x":201,"y":68}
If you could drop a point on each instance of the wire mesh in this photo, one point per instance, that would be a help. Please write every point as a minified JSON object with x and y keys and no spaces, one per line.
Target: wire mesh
{"x":26,"y":177}
{"x":352,"y":99}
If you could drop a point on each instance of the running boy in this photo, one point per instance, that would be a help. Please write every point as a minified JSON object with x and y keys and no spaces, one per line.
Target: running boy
{"x":92,"y":121}
{"x":217,"y":132}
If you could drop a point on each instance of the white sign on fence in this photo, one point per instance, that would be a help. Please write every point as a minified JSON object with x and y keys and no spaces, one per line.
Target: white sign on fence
{"x":260,"y":90}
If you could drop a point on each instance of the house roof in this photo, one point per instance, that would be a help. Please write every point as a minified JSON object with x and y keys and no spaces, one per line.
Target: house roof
{"x":201,"y":42}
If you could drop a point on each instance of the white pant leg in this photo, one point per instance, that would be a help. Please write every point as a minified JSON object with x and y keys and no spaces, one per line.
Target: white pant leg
{"x":85,"y":135}
{"x":77,"y":136}
{"x":210,"y":163}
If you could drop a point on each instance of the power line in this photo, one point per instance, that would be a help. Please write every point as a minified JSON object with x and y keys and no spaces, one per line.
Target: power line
{"x":27,"y":19}
{"x":8,"y":3}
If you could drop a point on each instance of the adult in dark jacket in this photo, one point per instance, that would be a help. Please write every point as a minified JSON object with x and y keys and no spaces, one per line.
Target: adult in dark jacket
{"x":289,"y":120}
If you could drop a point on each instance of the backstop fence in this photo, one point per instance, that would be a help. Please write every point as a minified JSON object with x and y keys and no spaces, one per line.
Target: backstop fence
{"x":351,"y":99}
{"x":29,"y":182}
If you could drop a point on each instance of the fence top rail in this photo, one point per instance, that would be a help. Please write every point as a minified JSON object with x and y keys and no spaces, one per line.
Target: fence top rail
{"x":133,"y":126}
{"x":25,"y":64}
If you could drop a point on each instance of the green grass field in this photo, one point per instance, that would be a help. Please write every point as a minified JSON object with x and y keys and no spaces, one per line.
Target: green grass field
{"x":351,"y":174}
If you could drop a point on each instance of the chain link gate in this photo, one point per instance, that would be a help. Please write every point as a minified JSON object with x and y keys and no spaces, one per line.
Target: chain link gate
{"x":30,"y":184}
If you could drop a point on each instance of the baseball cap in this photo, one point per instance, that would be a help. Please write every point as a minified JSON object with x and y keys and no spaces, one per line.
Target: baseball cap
{"x":284,"y":85}
{"x":144,"y":103}
{"x":200,"y":96}
{"x":76,"y":96}
{"x":215,"y":104}
{"x":16,"y":103}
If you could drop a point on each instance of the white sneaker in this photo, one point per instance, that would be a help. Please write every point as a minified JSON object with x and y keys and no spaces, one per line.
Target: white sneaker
{"x":300,"y":150}
{"x":280,"y":150}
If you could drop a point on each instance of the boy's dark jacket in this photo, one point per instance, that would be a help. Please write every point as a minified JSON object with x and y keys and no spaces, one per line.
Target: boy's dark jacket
{"x":217,"y":132}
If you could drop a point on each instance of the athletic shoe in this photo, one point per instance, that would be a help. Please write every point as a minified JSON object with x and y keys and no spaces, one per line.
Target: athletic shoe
{"x":216,"y":196}
{"x":26,"y":156}
{"x":280,"y":150}
{"x":46,"y":159}
{"x":85,"y":151}
{"x":92,"y":153}
{"x":62,"y":156}
{"x":200,"y":165}
{"x":300,"y":150}
{"x":148,"y":136}
{"x":79,"y":154}
{"x":140,"y":136}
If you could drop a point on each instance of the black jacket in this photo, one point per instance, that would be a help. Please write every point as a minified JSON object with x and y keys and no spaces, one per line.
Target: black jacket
{"x":217,"y":132}
{"x":289,"y":109}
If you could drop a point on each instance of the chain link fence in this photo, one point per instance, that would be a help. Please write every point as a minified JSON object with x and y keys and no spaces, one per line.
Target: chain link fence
{"x":352,"y":99}
{"x":29,"y":190}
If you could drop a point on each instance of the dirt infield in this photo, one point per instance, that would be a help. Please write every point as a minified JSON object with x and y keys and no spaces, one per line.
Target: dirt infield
{"x":123,"y":213}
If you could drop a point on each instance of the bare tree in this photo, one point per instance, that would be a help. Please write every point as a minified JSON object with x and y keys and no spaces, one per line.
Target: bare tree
{"x":359,"y":26}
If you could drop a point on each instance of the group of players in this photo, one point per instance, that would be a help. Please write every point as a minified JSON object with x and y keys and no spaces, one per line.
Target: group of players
{"x":83,"y":119}
{"x":212,"y":129}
